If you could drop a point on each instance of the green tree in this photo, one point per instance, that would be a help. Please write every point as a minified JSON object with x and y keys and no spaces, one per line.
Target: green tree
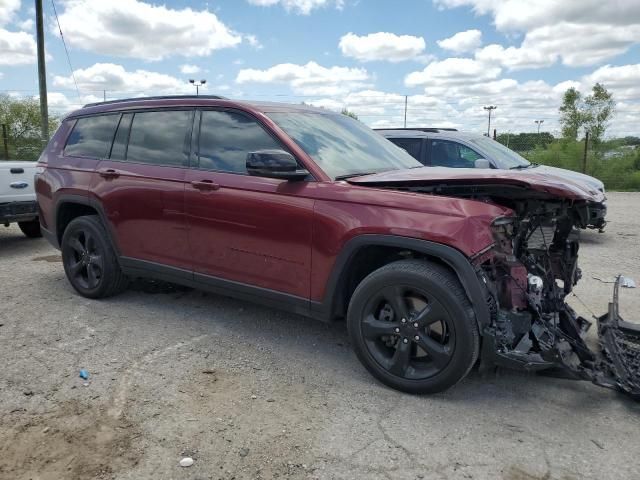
{"x":22,"y":119}
{"x":571,"y":114}
{"x":599,"y":107}
{"x":349,"y":113}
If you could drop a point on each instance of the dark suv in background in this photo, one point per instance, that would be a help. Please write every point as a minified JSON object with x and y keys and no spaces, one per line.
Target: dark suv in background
{"x":313,"y":212}
{"x":447,"y":147}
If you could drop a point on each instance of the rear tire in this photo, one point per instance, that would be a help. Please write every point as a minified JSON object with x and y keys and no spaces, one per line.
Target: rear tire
{"x":413,"y":328}
{"x":31,"y":228}
{"x":89,"y":261}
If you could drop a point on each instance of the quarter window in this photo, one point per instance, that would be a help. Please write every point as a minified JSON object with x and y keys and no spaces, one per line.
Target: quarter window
{"x":160,"y":138}
{"x":410,"y":145}
{"x":227,"y":137}
{"x":119,"y":149}
{"x":91,"y":136}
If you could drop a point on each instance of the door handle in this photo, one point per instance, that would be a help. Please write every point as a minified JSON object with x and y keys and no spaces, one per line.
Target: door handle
{"x":205,"y":185}
{"x":109,"y":173}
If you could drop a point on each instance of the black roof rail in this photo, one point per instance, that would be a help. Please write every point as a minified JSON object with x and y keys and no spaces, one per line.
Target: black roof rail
{"x":160,"y":97}
{"x":422,"y":129}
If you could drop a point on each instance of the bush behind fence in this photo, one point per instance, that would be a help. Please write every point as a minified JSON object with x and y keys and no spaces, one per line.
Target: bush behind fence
{"x":614,"y":162}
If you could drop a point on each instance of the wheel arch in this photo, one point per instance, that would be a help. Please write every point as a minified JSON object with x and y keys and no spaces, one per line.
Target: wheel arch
{"x":356,"y":252}
{"x":69,"y":207}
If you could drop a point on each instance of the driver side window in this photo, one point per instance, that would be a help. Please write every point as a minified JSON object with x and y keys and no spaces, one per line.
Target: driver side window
{"x":227,"y":137}
{"x":446,"y":153}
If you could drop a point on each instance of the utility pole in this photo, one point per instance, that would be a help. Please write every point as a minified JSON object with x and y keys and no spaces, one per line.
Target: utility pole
{"x":489,"y":108}
{"x":5,"y":141}
{"x":539,"y":122}
{"x":586,"y":147}
{"x":42,"y":75}
{"x":405,"y":110}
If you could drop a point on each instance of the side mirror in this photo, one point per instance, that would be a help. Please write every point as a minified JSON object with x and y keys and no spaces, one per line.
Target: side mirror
{"x":482,"y":163}
{"x":274,"y":164}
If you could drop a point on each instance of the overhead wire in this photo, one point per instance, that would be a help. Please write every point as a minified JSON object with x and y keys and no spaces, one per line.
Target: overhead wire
{"x":64,"y":43}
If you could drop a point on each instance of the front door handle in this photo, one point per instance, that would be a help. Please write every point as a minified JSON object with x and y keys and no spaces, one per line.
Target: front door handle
{"x":205,"y":185}
{"x":109,"y":173}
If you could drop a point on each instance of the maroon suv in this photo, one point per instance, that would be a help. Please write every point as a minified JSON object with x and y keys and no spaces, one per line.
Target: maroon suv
{"x":311,"y":211}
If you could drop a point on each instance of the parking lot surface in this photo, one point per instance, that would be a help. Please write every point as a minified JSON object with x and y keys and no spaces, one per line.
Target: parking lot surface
{"x":255,"y":393}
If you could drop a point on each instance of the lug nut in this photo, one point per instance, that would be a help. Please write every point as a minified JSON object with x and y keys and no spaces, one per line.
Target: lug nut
{"x":416,"y":325}
{"x":404,"y":340}
{"x":404,"y":320}
{"x":397,"y":330}
{"x":416,"y":338}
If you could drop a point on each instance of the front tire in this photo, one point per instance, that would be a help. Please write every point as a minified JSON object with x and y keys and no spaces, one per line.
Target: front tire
{"x":413,"y":328}
{"x":31,"y":228}
{"x":89,"y":261}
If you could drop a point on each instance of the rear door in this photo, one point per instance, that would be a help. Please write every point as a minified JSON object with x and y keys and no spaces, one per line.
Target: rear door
{"x":250,"y":230}
{"x":141,"y":186}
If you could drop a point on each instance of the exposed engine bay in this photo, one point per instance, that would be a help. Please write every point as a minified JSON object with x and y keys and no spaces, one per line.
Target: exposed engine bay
{"x":529,"y":272}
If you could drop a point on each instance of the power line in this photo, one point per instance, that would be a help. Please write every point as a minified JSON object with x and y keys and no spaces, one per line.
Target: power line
{"x":73,"y":75}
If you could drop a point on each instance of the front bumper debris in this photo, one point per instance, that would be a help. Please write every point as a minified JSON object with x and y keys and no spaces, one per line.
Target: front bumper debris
{"x":619,"y":360}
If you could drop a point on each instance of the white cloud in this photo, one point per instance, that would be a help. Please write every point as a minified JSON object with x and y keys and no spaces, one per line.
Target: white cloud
{"x":461,"y":42}
{"x":119,"y":82}
{"x":515,"y":58}
{"x":452,"y":71}
{"x":382,"y":46}
{"x":303,"y":7}
{"x":131,"y":28}
{"x":253,"y":41}
{"x":526,"y":14}
{"x":577,"y":33}
{"x":188,"y":69}
{"x":27,"y":24}
{"x":623,"y":81}
{"x":8,"y":8}
{"x":309,"y":79}
{"x":16,"y":48}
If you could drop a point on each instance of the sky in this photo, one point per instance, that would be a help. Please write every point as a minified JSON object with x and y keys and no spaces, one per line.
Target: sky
{"x":447,"y":58}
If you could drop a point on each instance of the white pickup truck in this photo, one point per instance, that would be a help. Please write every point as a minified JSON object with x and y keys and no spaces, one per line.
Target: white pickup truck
{"x":18,"y":197}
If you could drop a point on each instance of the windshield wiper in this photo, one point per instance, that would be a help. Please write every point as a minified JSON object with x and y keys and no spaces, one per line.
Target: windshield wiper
{"x":357,"y":174}
{"x":521,"y":167}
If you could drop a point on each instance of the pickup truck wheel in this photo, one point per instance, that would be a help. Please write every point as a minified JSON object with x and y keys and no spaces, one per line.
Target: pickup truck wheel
{"x":89,"y":260}
{"x":31,"y":228}
{"x":413,"y":327}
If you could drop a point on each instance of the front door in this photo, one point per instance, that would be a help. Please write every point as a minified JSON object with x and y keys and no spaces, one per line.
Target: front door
{"x":250,"y":230}
{"x":141,"y":186}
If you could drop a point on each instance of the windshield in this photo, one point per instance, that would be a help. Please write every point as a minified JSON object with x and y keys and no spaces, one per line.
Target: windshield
{"x":501,"y":155}
{"x":342,"y":146}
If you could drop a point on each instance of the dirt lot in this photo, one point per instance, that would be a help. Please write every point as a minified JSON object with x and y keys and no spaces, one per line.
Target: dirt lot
{"x":255,"y":393}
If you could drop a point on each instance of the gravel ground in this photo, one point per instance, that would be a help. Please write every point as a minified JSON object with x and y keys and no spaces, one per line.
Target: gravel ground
{"x":250,"y":392}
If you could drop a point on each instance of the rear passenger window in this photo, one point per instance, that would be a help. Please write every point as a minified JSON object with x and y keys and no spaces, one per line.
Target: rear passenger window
{"x":227,"y":137}
{"x":160,"y":138}
{"x":91,"y":136}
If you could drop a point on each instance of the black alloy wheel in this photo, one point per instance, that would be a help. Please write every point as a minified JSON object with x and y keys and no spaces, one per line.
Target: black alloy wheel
{"x":84,"y":261}
{"x":412,"y":326}
{"x":408,"y":332}
{"x":89,"y":260}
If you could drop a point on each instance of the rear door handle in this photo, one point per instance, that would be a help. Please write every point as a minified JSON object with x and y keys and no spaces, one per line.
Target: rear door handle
{"x":205,"y":185}
{"x":109,"y":173}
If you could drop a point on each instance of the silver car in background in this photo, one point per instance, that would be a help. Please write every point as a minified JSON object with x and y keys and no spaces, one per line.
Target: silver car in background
{"x":444,"y":147}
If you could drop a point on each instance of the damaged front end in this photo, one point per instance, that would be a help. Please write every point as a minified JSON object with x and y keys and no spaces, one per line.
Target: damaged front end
{"x":530,"y":269}
{"x":529,"y":272}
